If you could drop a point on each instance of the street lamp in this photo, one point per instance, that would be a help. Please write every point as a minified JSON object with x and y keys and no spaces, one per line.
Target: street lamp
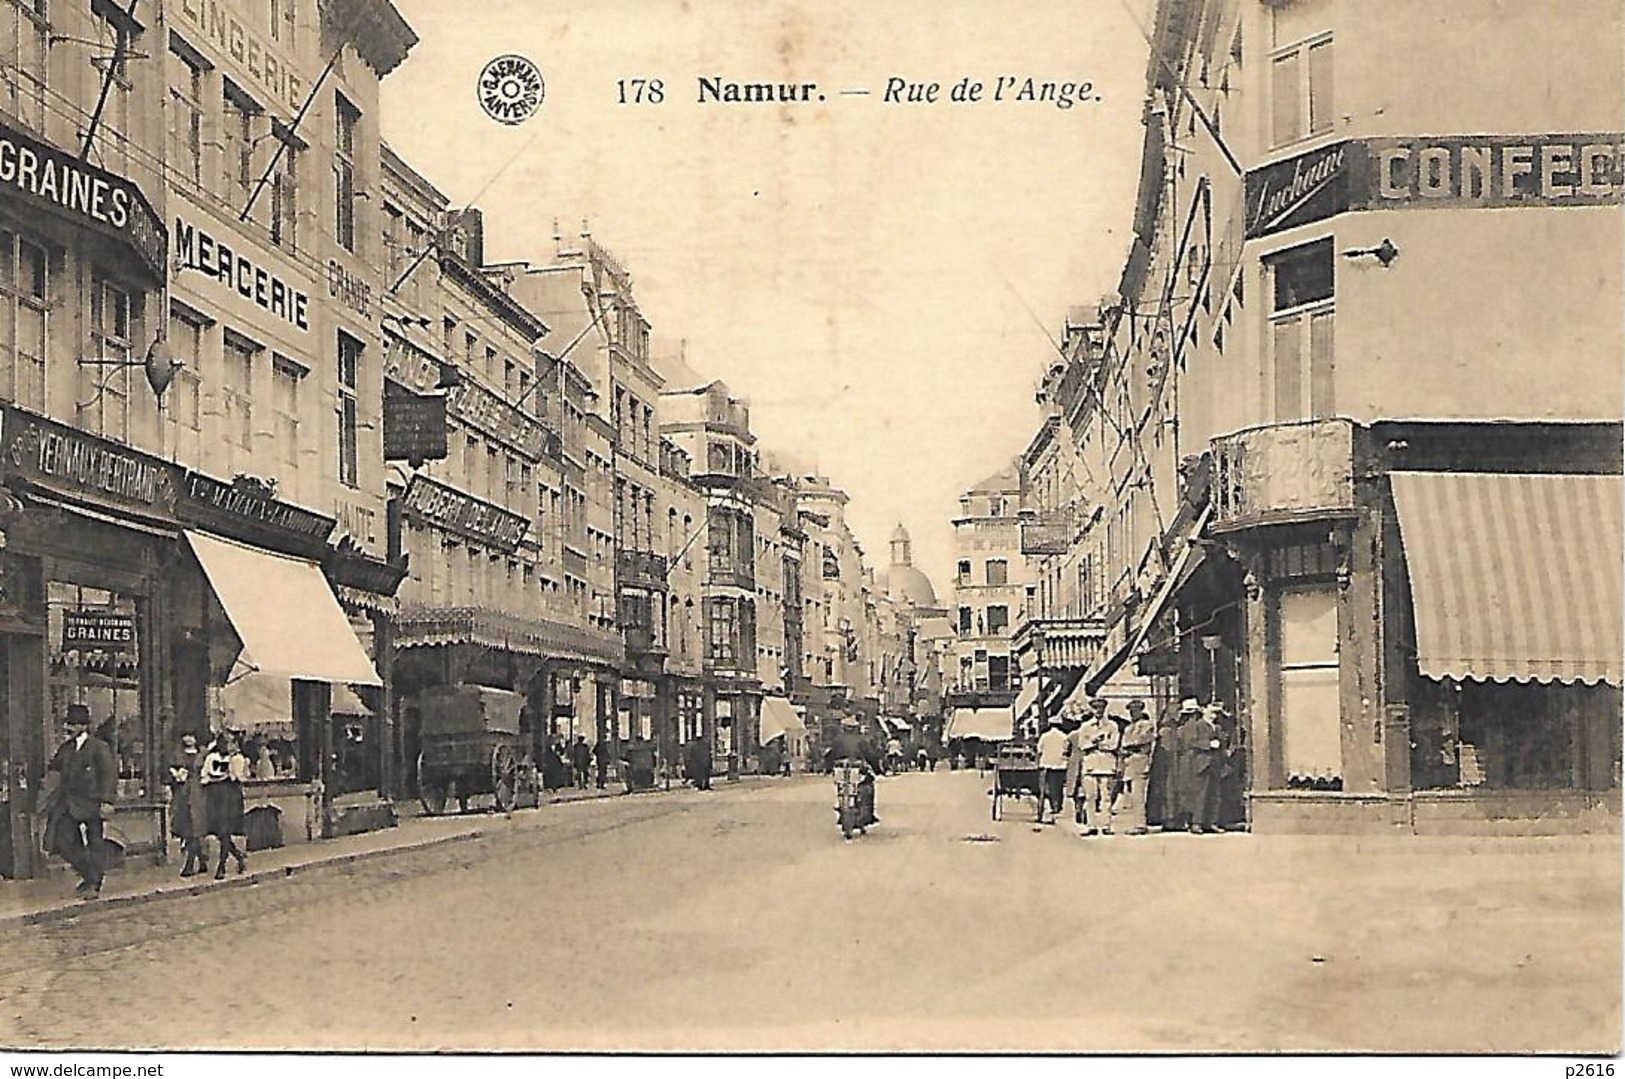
{"x":1211,"y":642}
{"x":160,"y":369}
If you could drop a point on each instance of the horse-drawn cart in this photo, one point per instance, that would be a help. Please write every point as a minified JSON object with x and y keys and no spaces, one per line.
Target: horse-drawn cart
{"x":1016,"y":775}
{"x":472,"y":744}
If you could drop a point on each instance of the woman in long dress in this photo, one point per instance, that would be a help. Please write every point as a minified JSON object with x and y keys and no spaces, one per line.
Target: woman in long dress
{"x":224,"y":771}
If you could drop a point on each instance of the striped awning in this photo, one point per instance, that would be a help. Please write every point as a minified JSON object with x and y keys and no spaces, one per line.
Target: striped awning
{"x":988,"y":724}
{"x":1515,"y":578}
{"x":1026,"y":698}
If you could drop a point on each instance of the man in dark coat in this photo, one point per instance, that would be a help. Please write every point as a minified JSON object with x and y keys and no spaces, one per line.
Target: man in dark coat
{"x":698,"y":764}
{"x":1203,"y":747}
{"x":581,"y":760}
{"x":83,"y":800}
{"x":851,"y":745}
{"x":1179,"y":780}
{"x":600,"y":755}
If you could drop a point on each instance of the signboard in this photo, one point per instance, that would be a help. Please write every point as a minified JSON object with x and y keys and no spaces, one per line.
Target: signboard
{"x":454,"y":511}
{"x":240,"y":268}
{"x":62,"y":458}
{"x":238,"y":41}
{"x":1436,"y":171}
{"x":1492,"y":171}
{"x":477,"y":407}
{"x":76,"y":190}
{"x":409,"y":366}
{"x":414,"y":425}
{"x":109,"y":631}
{"x":1300,"y":190}
{"x":247,"y":510}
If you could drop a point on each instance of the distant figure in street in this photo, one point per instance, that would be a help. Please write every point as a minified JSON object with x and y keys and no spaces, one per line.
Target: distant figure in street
{"x":81,"y":800}
{"x":1094,"y":749}
{"x":224,"y":771}
{"x":1181,"y":785}
{"x":600,"y":757}
{"x":894,"y":755}
{"x":1054,"y":749}
{"x":851,"y":745}
{"x":698,"y":764}
{"x":188,"y":811}
{"x":581,"y":760}
{"x":1134,"y":758}
{"x":922,"y":758}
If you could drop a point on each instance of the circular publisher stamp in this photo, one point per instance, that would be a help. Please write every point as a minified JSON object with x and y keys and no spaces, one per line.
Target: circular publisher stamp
{"x":511,"y":89}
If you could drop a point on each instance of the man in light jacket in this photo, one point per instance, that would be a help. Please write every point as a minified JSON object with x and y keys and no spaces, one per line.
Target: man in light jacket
{"x":1053,"y":750}
{"x":1094,"y":745}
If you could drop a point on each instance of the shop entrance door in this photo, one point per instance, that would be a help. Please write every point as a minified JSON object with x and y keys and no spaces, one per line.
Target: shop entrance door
{"x":1310,"y":707}
{"x":22,"y":753}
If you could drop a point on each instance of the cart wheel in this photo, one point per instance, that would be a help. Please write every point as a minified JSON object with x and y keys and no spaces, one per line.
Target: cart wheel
{"x":504,"y":778}
{"x":432,"y":796}
{"x":849,"y":814}
{"x":998,"y":810}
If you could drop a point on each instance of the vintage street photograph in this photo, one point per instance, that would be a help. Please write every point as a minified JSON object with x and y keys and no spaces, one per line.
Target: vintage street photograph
{"x":738,"y":527}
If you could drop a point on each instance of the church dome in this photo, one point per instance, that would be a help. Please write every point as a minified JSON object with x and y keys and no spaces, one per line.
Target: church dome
{"x":904,"y":583}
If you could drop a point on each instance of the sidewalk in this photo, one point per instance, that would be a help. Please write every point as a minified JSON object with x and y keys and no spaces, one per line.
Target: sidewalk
{"x":49,"y":898}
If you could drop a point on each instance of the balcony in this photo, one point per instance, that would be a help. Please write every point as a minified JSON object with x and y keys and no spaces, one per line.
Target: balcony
{"x":422,"y":625}
{"x":641,"y":569}
{"x":1058,"y":643}
{"x":728,"y":575}
{"x":1283,"y":473}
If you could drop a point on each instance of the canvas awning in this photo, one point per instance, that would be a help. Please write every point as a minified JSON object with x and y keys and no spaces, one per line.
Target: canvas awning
{"x":284,"y":612}
{"x":1186,"y":561}
{"x":1514,"y":577}
{"x":988,"y":724}
{"x":1026,"y":698}
{"x":779,"y":717}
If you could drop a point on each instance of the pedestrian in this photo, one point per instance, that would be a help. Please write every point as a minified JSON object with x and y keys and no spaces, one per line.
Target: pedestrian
{"x":188,"y":810}
{"x":698,"y":763}
{"x":1233,"y":781}
{"x":81,"y":800}
{"x":581,"y":760}
{"x":1159,"y":787}
{"x":1204,"y":741}
{"x":1134,"y":769}
{"x":1182,"y":782}
{"x":224,"y":770}
{"x":894,"y":755}
{"x":600,"y":756}
{"x":1054,"y":749}
{"x":1095,"y":743}
{"x":922,"y":758}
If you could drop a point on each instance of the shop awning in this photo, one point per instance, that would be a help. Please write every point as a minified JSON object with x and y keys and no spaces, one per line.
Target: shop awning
{"x":988,"y":724}
{"x":285,"y":613}
{"x":900,"y":723}
{"x":779,"y":717}
{"x":1186,"y":561}
{"x":1026,"y":698}
{"x":1514,"y":577}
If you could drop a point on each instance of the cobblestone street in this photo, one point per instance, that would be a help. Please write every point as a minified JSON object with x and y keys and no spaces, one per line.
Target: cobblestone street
{"x":767,"y":932}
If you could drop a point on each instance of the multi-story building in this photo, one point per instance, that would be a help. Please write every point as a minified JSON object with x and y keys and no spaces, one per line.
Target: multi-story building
{"x":191,"y":371}
{"x":989,"y":593}
{"x":1313,"y":382}
{"x":681,"y":508}
{"x":914,"y":694}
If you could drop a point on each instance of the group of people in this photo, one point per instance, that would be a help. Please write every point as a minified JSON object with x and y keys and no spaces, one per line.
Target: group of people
{"x":1124,"y":773}
{"x":206,"y":799}
{"x":571,"y":765}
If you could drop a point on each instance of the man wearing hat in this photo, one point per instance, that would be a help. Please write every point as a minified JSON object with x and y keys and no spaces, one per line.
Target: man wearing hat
{"x":1053,"y":750}
{"x":1181,"y":767}
{"x":1134,"y":760}
{"x":82,"y":800}
{"x":850,"y":745}
{"x":1094,"y":747}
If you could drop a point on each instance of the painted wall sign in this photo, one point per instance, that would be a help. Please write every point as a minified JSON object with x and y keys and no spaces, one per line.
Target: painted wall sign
{"x":352,"y":291}
{"x":236,"y":267}
{"x":1300,"y":190}
{"x":67,"y":187}
{"x":267,"y":68}
{"x":477,"y":407}
{"x":109,"y":631}
{"x":414,"y":425}
{"x":1437,"y":171}
{"x":1492,"y":170}
{"x":244,"y":511}
{"x":454,"y":511}
{"x":62,"y":458}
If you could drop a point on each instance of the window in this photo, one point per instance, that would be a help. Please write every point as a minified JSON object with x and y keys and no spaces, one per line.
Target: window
{"x":722,"y":630}
{"x":964,"y":571}
{"x":998,"y":619}
{"x":104,"y":399}
{"x":237,"y":390}
{"x":964,"y":621}
{"x":347,"y":122}
{"x":1301,"y":91}
{"x":1310,"y":712}
{"x":998,"y":673}
{"x":349,"y":378}
{"x":183,"y":403}
{"x":1301,"y":342}
{"x":281,"y":22}
{"x":237,"y":141}
{"x":24,"y":51}
{"x":24,"y":305}
{"x":285,"y":378}
{"x":998,"y":571}
{"x":186,"y":113}
{"x":284,"y":192}
{"x":112,"y":143}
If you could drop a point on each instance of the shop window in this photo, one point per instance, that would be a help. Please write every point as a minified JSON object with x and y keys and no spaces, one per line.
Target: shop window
{"x":1309,"y":706}
{"x":104,"y":387}
{"x":998,"y":619}
{"x":998,"y":571}
{"x":25,"y":302}
{"x":93,"y":639}
{"x":1301,"y":91}
{"x":186,"y":70}
{"x":347,"y":124}
{"x":25,"y":42}
{"x":348,"y":418}
{"x":1302,"y":367}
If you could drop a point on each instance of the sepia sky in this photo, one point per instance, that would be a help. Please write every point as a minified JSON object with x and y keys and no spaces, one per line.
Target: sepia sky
{"x":865,"y":275}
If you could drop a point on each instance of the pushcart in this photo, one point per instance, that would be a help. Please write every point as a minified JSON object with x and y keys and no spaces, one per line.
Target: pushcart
{"x":1016,"y":775}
